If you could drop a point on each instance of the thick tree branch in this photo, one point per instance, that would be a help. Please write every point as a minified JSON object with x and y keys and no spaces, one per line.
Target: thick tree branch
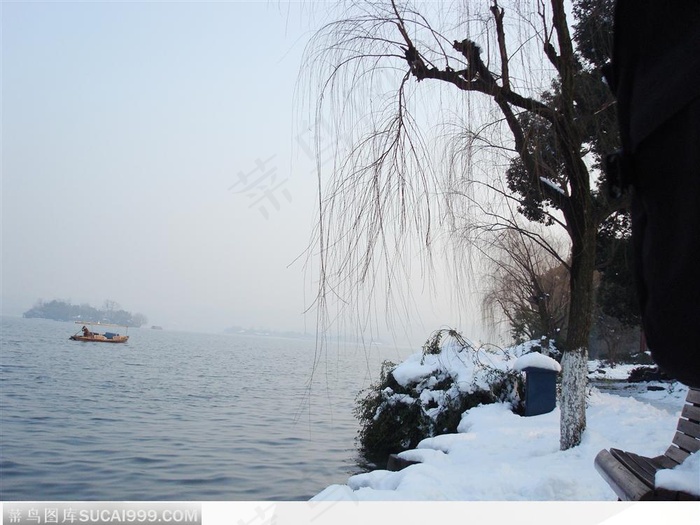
{"x":549,"y":50}
{"x":478,"y":78}
{"x":498,"y":14}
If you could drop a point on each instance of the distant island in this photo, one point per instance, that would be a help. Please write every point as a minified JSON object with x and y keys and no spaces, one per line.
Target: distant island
{"x":111,"y":312}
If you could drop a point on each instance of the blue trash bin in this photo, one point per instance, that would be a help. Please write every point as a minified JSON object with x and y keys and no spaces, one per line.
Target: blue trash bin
{"x":540,"y":382}
{"x":540,"y":391}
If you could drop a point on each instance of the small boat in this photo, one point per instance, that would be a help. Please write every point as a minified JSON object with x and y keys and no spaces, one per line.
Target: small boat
{"x":87,"y":335}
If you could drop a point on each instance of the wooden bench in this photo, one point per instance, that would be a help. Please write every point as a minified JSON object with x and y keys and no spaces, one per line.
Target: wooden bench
{"x":632,"y":476}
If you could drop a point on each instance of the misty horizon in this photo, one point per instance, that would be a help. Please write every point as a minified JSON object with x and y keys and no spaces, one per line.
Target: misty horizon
{"x":159,"y":155}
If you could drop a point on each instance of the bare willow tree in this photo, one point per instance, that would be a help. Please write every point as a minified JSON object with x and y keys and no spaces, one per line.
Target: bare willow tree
{"x":527,"y":286}
{"x":520,"y":87}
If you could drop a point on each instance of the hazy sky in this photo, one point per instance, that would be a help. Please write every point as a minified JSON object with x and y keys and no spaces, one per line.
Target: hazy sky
{"x":153,"y":154}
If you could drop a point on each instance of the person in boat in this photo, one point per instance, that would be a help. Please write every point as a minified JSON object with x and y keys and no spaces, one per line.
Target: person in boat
{"x":86,"y":332}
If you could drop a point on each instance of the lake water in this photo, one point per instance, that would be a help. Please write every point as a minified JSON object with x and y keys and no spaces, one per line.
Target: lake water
{"x":176,"y":416}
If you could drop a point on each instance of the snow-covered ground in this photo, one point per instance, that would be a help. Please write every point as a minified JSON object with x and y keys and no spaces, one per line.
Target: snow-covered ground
{"x":498,"y":455}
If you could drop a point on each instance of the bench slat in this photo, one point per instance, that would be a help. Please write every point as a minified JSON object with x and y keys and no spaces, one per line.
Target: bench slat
{"x":665,"y":462}
{"x":689,"y":427}
{"x":691,"y":412}
{"x":640,"y":466}
{"x":687,"y":443}
{"x":676,"y":454}
{"x":693,"y":396}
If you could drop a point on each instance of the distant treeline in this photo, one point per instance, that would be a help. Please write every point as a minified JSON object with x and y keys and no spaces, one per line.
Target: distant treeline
{"x":265,"y":332}
{"x":111,"y":312}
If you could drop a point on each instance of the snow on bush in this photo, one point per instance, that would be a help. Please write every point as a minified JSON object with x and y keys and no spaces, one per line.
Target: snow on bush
{"x":427,"y":394}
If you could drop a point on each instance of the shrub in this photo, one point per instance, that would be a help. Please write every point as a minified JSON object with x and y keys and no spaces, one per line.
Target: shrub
{"x":435,"y":388}
{"x":391,"y":419}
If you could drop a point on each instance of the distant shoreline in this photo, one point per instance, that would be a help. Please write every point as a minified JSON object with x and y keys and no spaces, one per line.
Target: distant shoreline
{"x":58,"y":310}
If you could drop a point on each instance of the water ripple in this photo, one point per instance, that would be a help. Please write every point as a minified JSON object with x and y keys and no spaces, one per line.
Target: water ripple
{"x":171,"y":416}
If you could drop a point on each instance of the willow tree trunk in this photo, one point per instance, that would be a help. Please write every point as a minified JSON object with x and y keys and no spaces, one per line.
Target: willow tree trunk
{"x":575,"y":357}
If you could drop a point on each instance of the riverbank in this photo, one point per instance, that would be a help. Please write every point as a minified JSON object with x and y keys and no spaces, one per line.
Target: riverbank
{"x":498,"y":455}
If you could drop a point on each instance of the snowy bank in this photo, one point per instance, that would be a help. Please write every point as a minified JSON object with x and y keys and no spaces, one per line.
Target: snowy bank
{"x":598,"y":370}
{"x":498,"y":455}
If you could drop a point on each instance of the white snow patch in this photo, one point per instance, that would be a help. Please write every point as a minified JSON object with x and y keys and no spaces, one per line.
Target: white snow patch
{"x":685,"y":477}
{"x":470,"y":368}
{"x":598,"y":370}
{"x":413,"y":371}
{"x":552,"y":185}
{"x":536,"y":360}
